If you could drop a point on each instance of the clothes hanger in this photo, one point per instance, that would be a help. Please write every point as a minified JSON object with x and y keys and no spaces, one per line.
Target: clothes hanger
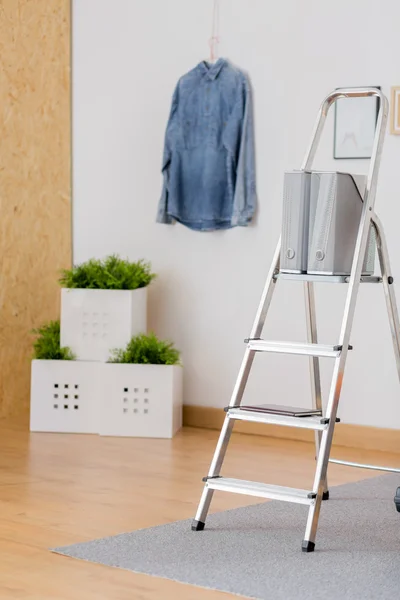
{"x":214,"y":39}
{"x":212,"y":59}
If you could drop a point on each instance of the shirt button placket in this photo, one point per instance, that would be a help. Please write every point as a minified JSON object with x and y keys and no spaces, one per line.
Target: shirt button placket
{"x":207,"y":105}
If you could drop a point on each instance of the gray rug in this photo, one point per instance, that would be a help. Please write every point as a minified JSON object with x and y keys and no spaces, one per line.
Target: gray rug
{"x":256,"y":551}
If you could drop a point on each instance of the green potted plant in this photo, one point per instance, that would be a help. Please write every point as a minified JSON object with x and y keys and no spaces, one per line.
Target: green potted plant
{"x":103,"y":304}
{"x":142,"y":389}
{"x":64,"y":392}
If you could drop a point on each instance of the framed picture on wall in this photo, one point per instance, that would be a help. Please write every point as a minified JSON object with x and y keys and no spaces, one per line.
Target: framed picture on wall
{"x":355,"y":123}
{"x":395,"y":111}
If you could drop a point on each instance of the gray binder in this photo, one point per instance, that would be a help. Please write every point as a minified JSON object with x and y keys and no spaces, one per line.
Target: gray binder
{"x":295,"y":222}
{"x":336,"y":201}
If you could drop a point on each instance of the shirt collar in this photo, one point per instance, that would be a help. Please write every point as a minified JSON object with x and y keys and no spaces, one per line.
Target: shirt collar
{"x":211,"y":71}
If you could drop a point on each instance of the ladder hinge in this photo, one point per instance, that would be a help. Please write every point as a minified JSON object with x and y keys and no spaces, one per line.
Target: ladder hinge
{"x":325,"y":421}
{"x":390,"y":280}
{"x":341,"y":347}
{"x":248,"y":340}
{"x":311,"y":495}
{"x":205,"y":479}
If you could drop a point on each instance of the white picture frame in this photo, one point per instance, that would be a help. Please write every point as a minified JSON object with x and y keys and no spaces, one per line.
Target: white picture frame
{"x":355,"y":124}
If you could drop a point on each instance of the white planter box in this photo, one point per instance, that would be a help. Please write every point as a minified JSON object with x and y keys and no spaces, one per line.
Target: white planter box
{"x":141,"y":400}
{"x":65,"y":396}
{"x":94,"y":322}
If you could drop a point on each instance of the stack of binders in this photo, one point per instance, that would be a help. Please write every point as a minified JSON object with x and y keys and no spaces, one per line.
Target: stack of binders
{"x":321,"y":218}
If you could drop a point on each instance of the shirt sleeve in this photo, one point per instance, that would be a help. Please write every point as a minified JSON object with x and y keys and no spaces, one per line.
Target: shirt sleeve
{"x":162,"y":212}
{"x":240,"y":141}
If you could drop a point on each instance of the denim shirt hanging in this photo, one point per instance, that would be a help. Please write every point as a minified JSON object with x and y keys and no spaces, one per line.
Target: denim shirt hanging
{"x":208,"y":163}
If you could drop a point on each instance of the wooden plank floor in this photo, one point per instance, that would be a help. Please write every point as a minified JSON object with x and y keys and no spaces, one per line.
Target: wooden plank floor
{"x":60,"y":489}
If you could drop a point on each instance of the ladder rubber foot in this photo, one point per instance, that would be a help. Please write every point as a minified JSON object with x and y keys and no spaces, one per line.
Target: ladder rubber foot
{"x":307,"y":546}
{"x":197,"y":525}
{"x":397,"y":499}
{"x":325,"y":495}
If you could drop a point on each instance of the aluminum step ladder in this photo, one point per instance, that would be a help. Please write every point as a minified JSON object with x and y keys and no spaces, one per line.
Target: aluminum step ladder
{"x":322,"y":425}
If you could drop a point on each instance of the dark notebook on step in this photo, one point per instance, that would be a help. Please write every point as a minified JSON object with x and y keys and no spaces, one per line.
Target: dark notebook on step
{"x":287,"y":411}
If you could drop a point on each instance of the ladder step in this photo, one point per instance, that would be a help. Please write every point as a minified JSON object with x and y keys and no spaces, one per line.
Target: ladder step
{"x":261,"y":490}
{"x":294,"y":348}
{"x":313,"y":423}
{"x":326,"y":278}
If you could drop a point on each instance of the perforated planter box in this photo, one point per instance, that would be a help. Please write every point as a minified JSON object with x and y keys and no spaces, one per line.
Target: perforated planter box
{"x":94,"y":322}
{"x":65,"y":396}
{"x":141,"y":400}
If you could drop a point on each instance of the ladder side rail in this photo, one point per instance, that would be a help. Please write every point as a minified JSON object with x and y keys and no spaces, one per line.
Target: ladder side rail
{"x":394,"y":322}
{"x":238,"y":391}
{"x":388,"y":287}
{"x":312,"y":336}
{"x":350,"y":304}
{"x":315,"y":375}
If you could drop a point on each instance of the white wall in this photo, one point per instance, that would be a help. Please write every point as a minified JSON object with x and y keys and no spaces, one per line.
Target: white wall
{"x":127,"y":57}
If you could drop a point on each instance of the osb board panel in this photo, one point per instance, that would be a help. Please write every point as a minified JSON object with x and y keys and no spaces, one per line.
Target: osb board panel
{"x":35,"y":221}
